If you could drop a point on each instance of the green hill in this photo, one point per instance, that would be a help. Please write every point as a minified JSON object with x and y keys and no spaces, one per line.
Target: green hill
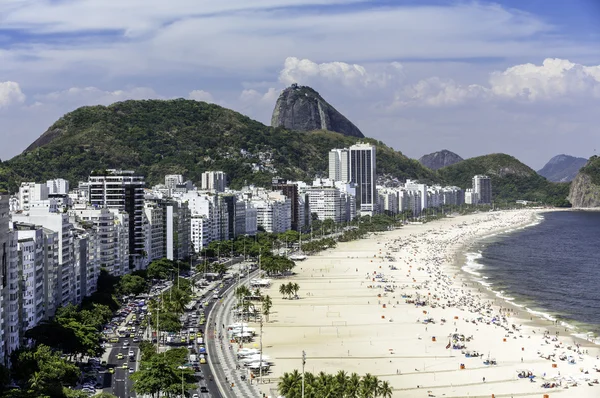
{"x":185,"y":137}
{"x":511,"y":179}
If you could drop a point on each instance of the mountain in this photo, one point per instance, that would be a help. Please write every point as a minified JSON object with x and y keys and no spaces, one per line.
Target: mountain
{"x":186,"y":137}
{"x":585,"y":188}
{"x":511,"y":179}
{"x":562,"y":168}
{"x":301,"y":108}
{"x":437,"y":160}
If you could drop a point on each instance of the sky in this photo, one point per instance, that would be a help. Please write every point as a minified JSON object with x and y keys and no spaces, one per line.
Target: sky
{"x":474,"y":77}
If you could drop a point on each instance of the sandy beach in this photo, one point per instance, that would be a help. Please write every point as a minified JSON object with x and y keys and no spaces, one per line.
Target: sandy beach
{"x":398,"y":306}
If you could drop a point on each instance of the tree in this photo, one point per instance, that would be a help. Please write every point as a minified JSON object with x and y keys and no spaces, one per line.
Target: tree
{"x":283,"y":289}
{"x":267,"y":304}
{"x":385,"y":390}
{"x":43,"y":371}
{"x":160,"y":269}
{"x":132,"y":284}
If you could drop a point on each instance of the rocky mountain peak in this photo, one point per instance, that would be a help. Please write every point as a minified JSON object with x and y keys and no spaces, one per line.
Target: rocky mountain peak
{"x":301,"y":108}
{"x":439,"y":159}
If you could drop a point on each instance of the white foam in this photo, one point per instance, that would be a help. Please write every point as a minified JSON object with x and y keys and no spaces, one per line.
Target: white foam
{"x":544,"y":315}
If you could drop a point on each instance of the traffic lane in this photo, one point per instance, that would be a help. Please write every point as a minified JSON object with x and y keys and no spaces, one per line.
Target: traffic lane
{"x":211,"y":339}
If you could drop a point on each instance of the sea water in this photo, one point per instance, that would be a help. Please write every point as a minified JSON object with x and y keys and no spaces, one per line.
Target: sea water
{"x":551,"y":269}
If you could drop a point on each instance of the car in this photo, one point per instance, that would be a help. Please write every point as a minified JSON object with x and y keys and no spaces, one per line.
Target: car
{"x":131,"y":370}
{"x":131,"y":353}
{"x":111,"y":370}
{"x":136,"y":339}
{"x":120,"y":355}
{"x":202,"y":361}
{"x":114,"y":340}
{"x":125,"y":366}
{"x":195,"y":396}
{"x":203,"y":389}
{"x":125,"y":343}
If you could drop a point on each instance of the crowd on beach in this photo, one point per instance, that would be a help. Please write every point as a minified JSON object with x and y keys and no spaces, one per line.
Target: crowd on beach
{"x":467,"y":339}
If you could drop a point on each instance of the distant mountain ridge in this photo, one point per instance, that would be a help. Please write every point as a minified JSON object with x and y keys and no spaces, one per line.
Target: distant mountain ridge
{"x":439,"y":159}
{"x":585,"y":188}
{"x":301,"y":108}
{"x":511,"y":179}
{"x":562,"y":168}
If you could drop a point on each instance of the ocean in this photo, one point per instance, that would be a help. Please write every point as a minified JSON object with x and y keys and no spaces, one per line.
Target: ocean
{"x":551,"y":268}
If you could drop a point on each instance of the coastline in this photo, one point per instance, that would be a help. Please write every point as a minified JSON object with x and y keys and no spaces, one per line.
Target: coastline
{"x":343,"y":324}
{"x":537,"y":318}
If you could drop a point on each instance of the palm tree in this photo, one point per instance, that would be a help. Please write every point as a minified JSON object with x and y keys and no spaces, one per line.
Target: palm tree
{"x":294,"y":288}
{"x":353,"y":386}
{"x":290,"y":384}
{"x":368,"y":386}
{"x":267,"y":303}
{"x":242,"y":292}
{"x":341,"y":380}
{"x":385,"y":390}
{"x":283,"y":289}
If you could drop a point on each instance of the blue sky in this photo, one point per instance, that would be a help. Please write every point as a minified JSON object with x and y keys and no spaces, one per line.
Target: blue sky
{"x":475,"y":77}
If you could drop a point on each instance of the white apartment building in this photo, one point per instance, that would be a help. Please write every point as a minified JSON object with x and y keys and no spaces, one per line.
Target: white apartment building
{"x":31,"y":192}
{"x":9,"y":285}
{"x":106,"y":249}
{"x":31,"y":262}
{"x":471,"y":197}
{"x":214,"y":181}
{"x":122,"y":190}
{"x":58,"y":186}
{"x":273,"y":211}
{"x":421,"y":188}
{"x":410,"y":201}
{"x":46,"y":214}
{"x":172,"y":180}
{"x":155,"y":231}
{"x":339,"y":165}
{"x":388,"y":200}
{"x":326,"y":203}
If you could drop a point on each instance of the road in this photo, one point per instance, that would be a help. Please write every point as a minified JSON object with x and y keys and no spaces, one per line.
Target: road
{"x":223,"y":361}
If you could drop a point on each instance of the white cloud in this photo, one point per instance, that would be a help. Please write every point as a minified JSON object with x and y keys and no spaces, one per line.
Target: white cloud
{"x":201,"y":95}
{"x":10,"y":93}
{"x":305,"y":71}
{"x":439,"y":92}
{"x":554,"y":79}
{"x":80,"y":96}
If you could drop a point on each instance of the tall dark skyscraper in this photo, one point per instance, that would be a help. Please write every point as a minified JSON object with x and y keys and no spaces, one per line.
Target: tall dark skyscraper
{"x":291,"y":192}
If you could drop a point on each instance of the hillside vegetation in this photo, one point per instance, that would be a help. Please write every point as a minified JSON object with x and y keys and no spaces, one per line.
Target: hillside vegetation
{"x":511,"y":179}
{"x":155,"y":138}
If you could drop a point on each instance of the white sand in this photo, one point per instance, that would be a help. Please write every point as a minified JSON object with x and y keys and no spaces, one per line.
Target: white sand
{"x":341,"y":324}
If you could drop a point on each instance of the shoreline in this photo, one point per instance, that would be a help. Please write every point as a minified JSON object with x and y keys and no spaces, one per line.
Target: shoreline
{"x":537,"y":318}
{"x":342,"y":323}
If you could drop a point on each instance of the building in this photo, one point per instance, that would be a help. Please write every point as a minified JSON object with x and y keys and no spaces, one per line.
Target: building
{"x":214,"y":181}
{"x":362,"y":165}
{"x":177,"y":232}
{"x":421,"y":188}
{"x":107,"y":249}
{"x":9,"y":286}
{"x":31,"y":192}
{"x":172,"y":180}
{"x":339,"y":165}
{"x":471,"y":197}
{"x":482,"y":186}
{"x":31,"y":263}
{"x":124,"y":191}
{"x":58,"y":186}
{"x":154,"y":231}
{"x":290,"y":190}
